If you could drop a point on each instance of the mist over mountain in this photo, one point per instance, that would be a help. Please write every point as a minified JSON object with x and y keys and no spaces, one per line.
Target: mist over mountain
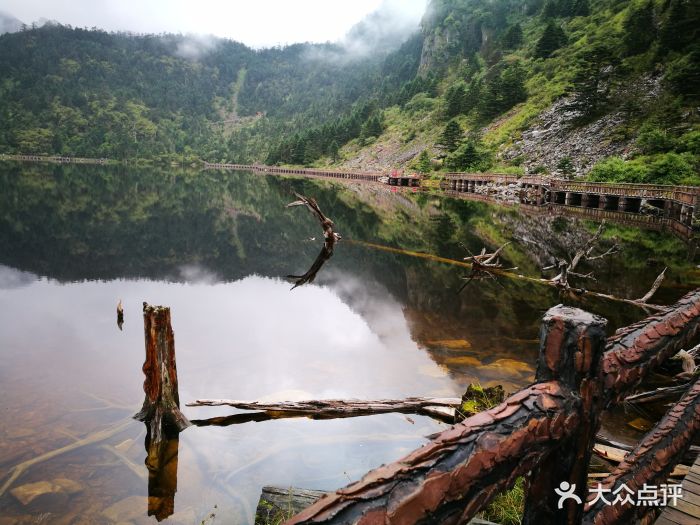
{"x":8,"y":23}
{"x":600,"y":88}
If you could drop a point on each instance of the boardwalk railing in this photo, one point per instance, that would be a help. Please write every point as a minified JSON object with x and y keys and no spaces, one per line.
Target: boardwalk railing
{"x":54,"y":159}
{"x":544,"y":432}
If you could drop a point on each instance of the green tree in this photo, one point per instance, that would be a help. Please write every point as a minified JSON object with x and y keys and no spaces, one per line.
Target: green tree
{"x":451,"y":136}
{"x":679,"y":27}
{"x":423,"y":162}
{"x":454,"y":99}
{"x":470,"y":156}
{"x":639,"y":29}
{"x":581,"y":8}
{"x":513,"y":37}
{"x":552,"y":39}
{"x":592,"y":80}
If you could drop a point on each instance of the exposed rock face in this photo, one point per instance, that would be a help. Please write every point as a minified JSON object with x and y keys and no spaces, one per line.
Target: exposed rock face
{"x":556,"y":134}
{"x":554,"y":137}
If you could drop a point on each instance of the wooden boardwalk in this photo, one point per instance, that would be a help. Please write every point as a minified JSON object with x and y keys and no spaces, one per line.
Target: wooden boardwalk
{"x":687,"y":511}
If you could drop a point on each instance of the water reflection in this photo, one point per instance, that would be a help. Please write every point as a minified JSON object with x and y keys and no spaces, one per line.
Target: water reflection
{"x":376,"y":323}
{"x":161,"y":461}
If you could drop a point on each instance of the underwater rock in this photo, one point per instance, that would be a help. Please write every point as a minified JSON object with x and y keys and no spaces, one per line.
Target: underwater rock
{"x":56,"y":491}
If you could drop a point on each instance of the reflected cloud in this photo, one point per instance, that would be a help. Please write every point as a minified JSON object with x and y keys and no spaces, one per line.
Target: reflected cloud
{"x":11,"y":278}
{"x":196,"y":274}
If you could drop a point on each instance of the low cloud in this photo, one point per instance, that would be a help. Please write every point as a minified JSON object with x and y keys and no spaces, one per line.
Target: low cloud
{"x":378,"y":33}
{"x":194,"y":47}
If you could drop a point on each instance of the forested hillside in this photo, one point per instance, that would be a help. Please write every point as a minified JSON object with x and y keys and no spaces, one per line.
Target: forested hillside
{"x":603,"y":88}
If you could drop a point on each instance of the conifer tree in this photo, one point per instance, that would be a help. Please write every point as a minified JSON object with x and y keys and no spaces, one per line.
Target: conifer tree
{"x":639,"y":29}
{"x":455,"y":100}
{"x":513,"y":37}
{"x":581,"y":8}
{"x":551,"y":40}
{"x":451,"y":136}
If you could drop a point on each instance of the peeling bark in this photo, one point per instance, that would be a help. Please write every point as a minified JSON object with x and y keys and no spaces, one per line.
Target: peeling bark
{"x":455,"y":475}
{"x":634,"y":351}
{"x":161,"y":407}
{"x":651,"y":461}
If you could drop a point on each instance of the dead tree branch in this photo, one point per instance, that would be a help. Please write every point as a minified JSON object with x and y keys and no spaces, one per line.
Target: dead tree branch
{"x":329,"y":234}
{"x":654,"y":287}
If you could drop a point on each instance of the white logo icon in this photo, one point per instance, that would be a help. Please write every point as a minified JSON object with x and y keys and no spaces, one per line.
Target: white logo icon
{"x":566,"y":491}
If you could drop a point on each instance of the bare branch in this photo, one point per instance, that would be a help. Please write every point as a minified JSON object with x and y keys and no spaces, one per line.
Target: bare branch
{"x":654,"y":287}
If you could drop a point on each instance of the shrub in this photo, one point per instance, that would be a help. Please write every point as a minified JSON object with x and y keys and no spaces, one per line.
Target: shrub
{"x":672,"y":168}
{"x":654,"y":140}
{"x":614,"y":169}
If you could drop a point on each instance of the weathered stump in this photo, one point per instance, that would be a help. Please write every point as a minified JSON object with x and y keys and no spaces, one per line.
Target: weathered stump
{"x":571,"y":345}
{"x":161,"y":407}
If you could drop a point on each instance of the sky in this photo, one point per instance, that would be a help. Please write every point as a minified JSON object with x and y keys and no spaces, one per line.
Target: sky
{"x":257,"y":23}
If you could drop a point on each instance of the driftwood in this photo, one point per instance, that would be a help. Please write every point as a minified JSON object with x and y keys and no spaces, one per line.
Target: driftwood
{"x":582,"y":254}
{"x":329,"y":234}
{"x":338,"y":408}
{"x":454,"y":476}
{"x":161,"y":407}
{"x":651,"y":461}
{"x":482,"y":264}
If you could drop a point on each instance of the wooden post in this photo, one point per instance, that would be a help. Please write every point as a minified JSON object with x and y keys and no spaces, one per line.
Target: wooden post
{"x":161,"y":407}
{"x":571,"y":345}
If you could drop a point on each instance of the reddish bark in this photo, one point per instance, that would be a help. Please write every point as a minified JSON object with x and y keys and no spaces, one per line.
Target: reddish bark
{"x":161,"y":407}
{"x":634,"y":351}
{"x":571,"y":345}
{"x":651,"y":461}
{"x":451,"y":478}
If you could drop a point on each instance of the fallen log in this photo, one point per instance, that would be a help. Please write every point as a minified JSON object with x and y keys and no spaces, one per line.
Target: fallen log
{"x":635,"y":350}
{"x":650,"y":462}
{"x":338,"y":408}
{"x":617,"y":455}
{"x":161,"y":406}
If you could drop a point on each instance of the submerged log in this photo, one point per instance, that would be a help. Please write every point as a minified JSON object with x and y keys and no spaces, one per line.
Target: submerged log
{"x":161,"y":407}
{"x":277,"y":503}
{"x":650,"y":462}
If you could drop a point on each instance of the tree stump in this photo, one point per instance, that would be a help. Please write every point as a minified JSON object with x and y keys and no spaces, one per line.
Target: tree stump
{"x":161,"y":407}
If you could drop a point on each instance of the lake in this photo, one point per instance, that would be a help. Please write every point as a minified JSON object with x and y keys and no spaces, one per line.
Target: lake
{"x":383,"y":319}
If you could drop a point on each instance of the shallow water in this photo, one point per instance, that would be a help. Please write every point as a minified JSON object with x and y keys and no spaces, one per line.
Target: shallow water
{"x":216,"y":247}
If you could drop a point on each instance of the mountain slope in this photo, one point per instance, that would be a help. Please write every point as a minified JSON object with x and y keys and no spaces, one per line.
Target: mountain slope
{"x":603,"y":88}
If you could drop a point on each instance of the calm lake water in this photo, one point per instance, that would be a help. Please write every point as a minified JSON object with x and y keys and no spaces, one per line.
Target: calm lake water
{"x":216,"y":248}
